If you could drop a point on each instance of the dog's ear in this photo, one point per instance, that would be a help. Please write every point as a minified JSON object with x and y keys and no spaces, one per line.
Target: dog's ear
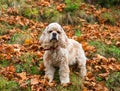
{"x":63,"y":39}
{"x":43,"y":40}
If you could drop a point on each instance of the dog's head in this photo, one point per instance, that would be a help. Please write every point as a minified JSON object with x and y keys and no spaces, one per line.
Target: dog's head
{"x":53,"y":36}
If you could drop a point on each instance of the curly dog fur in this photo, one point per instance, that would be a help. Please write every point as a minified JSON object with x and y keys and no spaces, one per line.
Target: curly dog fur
{"x":60,"y":51}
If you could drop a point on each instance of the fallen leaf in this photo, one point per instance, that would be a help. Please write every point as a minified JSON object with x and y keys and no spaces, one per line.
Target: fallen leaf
{"x":66,"y":84}
{"x":84,"y":89}
{"x":34,"y":81}
{"x":104,"y":74}
{"x":11,"y":69}
{"x":22,"y":77}
{"x":28,"y":41}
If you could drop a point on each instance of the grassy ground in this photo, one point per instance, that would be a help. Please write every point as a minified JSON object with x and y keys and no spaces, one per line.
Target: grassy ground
{"x":21,"y":23}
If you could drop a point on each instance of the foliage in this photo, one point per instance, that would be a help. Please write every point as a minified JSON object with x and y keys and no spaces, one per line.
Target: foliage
{"x":27,"y":66}
{"x":72,"y":5}
{"x":4,"y":63}
{"x":8,"y":85}
{"x":77,"y":33}
{"x":113,"y":81}
{"x":108,"y":3}
{"x":96,"y":28}
{"x":106,"y":50}
{"x":19,"y":38}
{"x":76,"y":86}
{"x":108,"y":18}
{"x":30,"y":12}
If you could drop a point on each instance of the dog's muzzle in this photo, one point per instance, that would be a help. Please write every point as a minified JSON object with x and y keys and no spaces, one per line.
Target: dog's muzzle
{"x":54,"y":36}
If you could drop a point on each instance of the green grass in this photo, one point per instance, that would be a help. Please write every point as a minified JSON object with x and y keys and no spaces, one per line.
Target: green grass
{"x":116,"y":14}
{"x":72,"y":6}
{"x":30,"y":12}
{"x":50,"y":14}
{"x":4,"y":28}
{"x":109,"y":18}
{"x":4,"y":63}
{"x":77,"y":33}
{"x":113,"y":81}
{"x":76,"y":83}
{"x":6,"y":85}
{"x":27,"y":64}
{"x":106,"y":50}
{"x":3,"y":31}
{"x":19,"y":38}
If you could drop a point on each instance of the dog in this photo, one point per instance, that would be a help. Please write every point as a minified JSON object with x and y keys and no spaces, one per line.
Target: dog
{"x":60,"y":51}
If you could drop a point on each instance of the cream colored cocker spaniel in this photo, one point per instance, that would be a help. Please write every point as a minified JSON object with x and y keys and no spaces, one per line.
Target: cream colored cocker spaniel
{"x":60,"y":51}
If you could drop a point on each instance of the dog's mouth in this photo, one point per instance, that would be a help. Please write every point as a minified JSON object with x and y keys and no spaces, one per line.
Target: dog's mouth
{"x":54,"y":40}
{"x":54,"y":37}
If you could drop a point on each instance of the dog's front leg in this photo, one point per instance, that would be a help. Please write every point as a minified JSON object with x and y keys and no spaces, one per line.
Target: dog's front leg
{"x":49,"y":72}
{"x":64,"y":73}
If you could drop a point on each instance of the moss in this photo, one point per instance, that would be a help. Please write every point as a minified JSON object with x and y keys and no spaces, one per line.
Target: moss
{"x":108,"y":18}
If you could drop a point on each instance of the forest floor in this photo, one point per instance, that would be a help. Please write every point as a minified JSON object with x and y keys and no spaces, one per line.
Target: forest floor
{"x":96,"y":28}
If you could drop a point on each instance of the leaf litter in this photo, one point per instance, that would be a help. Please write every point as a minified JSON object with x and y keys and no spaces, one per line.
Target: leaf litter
{"x":98,"y":66}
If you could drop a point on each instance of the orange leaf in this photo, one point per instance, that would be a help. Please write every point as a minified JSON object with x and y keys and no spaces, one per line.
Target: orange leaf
{"x":22,"y":76}
{"x":9,"y":49}
{"x":11,"y":69}
{"x":84,"y":89}
{"x":34,"y":81}
{"x":104,"y":74}
{"x":66,"y":84}
{"x":42,"y":67}
{"x":28,"y":41}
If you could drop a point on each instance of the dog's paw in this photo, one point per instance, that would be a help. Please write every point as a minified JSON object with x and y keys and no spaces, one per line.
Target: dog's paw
{"x":66,"y":84}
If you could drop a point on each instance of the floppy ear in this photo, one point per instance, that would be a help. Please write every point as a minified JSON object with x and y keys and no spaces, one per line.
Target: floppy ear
{"x":41,"y":39}
{"x":63,"y":39}
{"x":44,"y":38}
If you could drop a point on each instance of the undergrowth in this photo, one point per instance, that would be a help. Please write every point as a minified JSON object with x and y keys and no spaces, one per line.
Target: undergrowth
{"x":106,"y":50}
{"x":6,"y":85}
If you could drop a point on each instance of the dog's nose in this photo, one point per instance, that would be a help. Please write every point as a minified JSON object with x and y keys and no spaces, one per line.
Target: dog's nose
{"x":54,"y":34}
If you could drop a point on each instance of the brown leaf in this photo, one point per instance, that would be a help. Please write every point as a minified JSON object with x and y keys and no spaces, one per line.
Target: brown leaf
{"x":84,"y":89}
{"x":5,"y":37}
{"x":66,"y":84}
{"x":104,"y":74}
{"x":118,"y":43}
{"x":22,"y":76}
{"x":39,"y":54}
{"x":11,"y":69}
{"x":9,"y":49}
{"x":42,"y":67}
{"x":90,"y":75}
{"x":8,"y":56}
{"x":101,"y":86}
{"x":34,"y":81}
{"x":111,"y":67}
{"x":28,"y":41}
{"x":52,"y":84}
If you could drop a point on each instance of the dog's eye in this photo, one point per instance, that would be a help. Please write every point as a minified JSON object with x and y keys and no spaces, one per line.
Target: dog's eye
{"x":58,"y":32}
{"x":49,"y":31}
